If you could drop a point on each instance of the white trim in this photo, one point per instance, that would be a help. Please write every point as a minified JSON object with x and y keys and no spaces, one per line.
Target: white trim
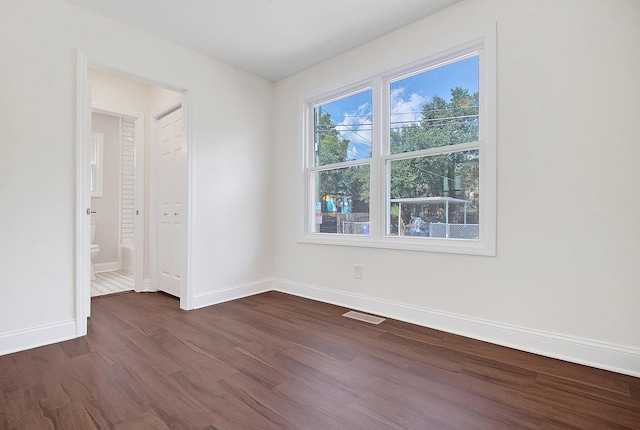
{"x":186,"y":293}
{"x":34,"y":337}
{"x":601,"y":355}
{"x":237,"y":292}
{"x":450,"y":246}
{"x":82,"y":254}
{"x":132,"y":72}
{"x":153,"y":218}
{"x":107,"y":267}
{"x":140,"y":190}
{"x":167,"y":109}
{"x":113,"y":111}
{"x":484,"y":44}
{"x":146,"y":287}
{"x":82,"y":220}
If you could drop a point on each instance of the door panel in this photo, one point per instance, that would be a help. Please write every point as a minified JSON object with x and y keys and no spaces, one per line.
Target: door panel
{"x":171,"y":188}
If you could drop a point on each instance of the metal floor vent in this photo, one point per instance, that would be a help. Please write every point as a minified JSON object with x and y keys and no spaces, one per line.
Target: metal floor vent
{"x":363,"y":317}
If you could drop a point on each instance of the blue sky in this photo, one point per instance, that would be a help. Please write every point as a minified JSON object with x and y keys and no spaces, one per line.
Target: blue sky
{"x":352,"y":115}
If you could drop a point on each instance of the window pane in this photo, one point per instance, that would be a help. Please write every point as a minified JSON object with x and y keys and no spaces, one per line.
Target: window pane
{"x":342,"y":201}
{"x":435,"y":196}
{"x":342,"y":129}
{"x":435,"y":108}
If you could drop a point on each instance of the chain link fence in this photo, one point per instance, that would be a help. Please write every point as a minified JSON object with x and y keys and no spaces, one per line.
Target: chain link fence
{"x":454,"y":231}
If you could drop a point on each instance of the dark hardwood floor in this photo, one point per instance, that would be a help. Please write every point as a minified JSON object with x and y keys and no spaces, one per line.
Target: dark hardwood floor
{"x":275,"y":361}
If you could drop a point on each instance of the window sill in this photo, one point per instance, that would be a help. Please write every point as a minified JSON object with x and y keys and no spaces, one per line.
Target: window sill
{"x":450,"y":246}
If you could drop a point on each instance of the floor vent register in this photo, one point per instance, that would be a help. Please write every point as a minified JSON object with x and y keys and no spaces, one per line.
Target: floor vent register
{"x":363,"y":317}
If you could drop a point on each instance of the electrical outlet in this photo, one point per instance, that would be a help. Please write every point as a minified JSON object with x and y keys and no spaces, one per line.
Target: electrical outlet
{"x":357,"y":272}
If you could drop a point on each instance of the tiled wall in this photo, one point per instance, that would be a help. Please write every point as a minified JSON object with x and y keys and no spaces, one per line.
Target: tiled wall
{"x":128,"y":180}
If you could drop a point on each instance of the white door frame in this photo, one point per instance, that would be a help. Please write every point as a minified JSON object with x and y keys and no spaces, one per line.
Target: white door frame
{"x":86,"y":60}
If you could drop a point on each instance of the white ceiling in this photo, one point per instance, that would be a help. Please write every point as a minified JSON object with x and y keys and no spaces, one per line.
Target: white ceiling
{"x":269,"y":38}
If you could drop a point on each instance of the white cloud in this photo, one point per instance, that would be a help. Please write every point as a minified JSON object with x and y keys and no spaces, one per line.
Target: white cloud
{"x":356,"y":127}
{"x":406,"y":108}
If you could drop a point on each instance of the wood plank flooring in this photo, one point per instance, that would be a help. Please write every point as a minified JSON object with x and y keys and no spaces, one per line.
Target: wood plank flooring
{"x":275,"y":361}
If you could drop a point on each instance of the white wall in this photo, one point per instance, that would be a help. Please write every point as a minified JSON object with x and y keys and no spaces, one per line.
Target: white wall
{"x":230,"y":143}
{"x":107,"y":207}
{"x":567,"y":264}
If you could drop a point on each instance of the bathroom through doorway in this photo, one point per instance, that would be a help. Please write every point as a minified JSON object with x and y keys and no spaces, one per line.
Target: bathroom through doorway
{"x":116,"y":152}
{"x":108,"y":91}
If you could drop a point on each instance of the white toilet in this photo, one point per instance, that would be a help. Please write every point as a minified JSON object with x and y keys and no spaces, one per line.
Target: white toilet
{"x":95,"y":249}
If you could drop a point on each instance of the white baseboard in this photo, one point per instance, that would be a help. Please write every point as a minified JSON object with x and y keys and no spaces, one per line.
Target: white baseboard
{"x":107,"y":267}
{"x":146,"y":286}
{"x":34,"y":337}
{"x":237,"y":292}
{"x":601,"y":355}
{"x":576,"y":350}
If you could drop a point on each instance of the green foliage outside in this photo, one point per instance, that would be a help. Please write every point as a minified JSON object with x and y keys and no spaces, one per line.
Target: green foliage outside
{"x":350,"y":181}
{"x":443,"y":124}
{"x":452,"y":174}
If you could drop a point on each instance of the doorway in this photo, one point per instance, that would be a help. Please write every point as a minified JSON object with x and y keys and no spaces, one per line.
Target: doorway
{"x":148,"y":220}
{"x":117,"y":199}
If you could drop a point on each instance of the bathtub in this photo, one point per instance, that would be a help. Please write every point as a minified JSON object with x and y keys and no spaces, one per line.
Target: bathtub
{"x":126,"y":253}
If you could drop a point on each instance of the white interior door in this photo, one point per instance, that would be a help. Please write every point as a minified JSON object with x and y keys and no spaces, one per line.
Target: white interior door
{"x":171,"y":177}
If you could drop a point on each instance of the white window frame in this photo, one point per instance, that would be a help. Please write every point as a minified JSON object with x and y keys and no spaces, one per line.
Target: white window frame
{"x":96,"y":163}
{"x":485,"y":46}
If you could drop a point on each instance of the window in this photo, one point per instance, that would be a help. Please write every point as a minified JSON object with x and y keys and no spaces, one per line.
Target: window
{"x":340,"y":175}
{"x":414,"y":171}
{"x":433,"y":152}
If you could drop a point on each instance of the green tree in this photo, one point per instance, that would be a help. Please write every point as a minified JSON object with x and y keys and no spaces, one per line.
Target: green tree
{"x":455,"y":174}
{"x":351,"y":181}
{"x":330,"y":148}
